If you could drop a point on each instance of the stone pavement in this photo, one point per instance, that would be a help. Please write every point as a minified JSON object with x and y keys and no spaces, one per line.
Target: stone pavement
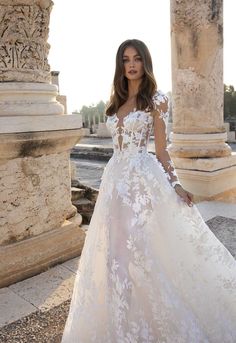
{"x":106,"y":142}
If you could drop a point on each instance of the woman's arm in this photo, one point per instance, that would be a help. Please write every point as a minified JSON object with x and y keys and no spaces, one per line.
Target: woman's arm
{"x":160,"y":115}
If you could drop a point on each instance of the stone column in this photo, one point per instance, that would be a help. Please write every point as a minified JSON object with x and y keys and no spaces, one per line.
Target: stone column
{"x":39,"y":226}
{"x":203,"y":159}
{"x":62,"y":99}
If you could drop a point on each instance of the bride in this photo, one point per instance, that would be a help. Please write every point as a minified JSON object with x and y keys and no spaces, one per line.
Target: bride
{"x":151,"y":271}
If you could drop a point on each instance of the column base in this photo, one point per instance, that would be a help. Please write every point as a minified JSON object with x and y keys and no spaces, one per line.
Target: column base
{"x":208,"y":179}
{"x":199,"y":145}
{"x":31,"y":256}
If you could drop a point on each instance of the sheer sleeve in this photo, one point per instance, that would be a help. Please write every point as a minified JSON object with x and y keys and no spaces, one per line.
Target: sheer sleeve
{"x":161,"y":115}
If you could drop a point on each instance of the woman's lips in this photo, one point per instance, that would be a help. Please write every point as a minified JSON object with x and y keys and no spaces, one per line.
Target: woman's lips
{"x":132,"y":72}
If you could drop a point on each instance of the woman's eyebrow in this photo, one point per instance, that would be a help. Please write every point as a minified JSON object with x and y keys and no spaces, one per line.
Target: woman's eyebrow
{"x":137,"y":55}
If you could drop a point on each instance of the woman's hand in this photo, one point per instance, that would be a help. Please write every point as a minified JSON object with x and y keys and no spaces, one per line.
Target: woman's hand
{"x":186,"y":196}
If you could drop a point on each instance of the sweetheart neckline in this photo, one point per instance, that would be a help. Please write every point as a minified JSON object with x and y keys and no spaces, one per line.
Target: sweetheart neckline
{"x":126,"y":114}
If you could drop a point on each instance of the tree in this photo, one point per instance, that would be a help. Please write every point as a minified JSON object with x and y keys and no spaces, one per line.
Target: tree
{"x":229,"y":102}
{"x":230,"y":106}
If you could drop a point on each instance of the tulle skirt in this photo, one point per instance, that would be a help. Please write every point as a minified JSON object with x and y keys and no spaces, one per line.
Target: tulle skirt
{"x":151,"y":271}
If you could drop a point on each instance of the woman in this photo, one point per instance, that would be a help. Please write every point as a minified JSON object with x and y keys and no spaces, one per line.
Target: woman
{"x":151,"y":270}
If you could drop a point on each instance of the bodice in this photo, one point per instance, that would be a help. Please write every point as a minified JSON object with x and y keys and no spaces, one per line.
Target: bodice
{"x":134,"y":132}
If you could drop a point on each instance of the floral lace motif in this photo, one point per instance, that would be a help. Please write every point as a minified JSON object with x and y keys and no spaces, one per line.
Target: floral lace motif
{"x":137,"y":125}
{"x":151,"y":271}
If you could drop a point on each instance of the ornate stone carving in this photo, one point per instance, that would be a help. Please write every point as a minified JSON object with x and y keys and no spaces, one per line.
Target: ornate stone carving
{"x":23,"y":40}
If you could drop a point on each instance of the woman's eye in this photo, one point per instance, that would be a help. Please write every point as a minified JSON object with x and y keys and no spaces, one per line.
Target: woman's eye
{"x":125,"y":61}
{"x":138,"y":59}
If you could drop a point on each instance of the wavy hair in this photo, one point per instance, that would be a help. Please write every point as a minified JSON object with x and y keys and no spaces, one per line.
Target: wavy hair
{"x":147,"y":88}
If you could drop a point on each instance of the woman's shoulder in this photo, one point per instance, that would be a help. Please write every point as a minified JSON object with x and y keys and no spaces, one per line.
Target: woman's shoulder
{"x":159,"y":97}
{"x":161,"y":104}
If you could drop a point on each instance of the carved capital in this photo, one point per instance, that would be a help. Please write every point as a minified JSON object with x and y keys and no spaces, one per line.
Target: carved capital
{"x":24,"y":27}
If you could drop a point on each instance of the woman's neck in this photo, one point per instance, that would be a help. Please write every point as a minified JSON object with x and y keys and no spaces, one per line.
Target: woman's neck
{"x":133,"y":87}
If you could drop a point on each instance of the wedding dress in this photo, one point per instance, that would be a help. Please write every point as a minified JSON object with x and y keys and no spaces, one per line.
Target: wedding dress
{"x":151,"y":271}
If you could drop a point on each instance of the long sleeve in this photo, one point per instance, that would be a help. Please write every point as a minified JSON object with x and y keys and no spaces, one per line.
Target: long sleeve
{"x":161,"y":115}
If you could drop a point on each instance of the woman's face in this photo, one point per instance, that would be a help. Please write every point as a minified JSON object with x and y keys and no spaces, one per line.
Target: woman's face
{"x":133,"y":64}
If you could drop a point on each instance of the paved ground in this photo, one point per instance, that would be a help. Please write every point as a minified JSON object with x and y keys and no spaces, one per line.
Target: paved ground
{"x":35,"y":310}
{"x":89,"y":171}
{"x":107,"y":142}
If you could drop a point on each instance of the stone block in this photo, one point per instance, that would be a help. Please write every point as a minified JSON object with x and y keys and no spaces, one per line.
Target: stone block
{"x":77,"y":193}
{"x":73,"y":263}
{"x":214,"y":185}
{"x":35,"y":196}
{"x":13,"y":306}
{"x":34,"y":255}
{"x":48,"y":289}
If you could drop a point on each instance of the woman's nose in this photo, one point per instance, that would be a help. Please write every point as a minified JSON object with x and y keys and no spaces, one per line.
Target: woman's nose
{"x":131,"y":63}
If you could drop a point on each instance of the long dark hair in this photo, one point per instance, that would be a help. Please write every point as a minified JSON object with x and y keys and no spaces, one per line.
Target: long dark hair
{"x":147,"y":87}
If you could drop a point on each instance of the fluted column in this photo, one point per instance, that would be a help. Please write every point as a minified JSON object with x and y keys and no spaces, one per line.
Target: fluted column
{"x":197,"y":91}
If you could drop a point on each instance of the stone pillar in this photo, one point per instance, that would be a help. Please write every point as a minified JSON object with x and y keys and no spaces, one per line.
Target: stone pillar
{"x":62,"y":99}
{"x":39,"y":226}
{"x":55,"y":78}
{"x":202,"y":158}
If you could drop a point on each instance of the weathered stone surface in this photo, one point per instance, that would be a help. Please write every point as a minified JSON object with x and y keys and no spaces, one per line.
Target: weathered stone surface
{"x":39,"y":226}
{"x":47,"y":289}
{"x":208,"y":185}
{"x":197,"y":94}
{"x":91,"y":193}
{"x":10,"y":301}
{"x":206,"y":164}
{"x":227,"y":196}
{"x":197,"y":79}
{"x":84,"y":199}
{"x":199,"y":145}
{"x":77,"y":193}
{"x":39,"y":123}
{"x":93,"y":153}
{"x":35,"y":196}
{"x":197,"y":55}
{"x":40,"y":326}
{"x":24,"y":48}
{"x":28,"y":99}
{"x":225,"y":231}
{"x":31,"y":256}
{"x":36,"y":144}
{"x":85,"y":207}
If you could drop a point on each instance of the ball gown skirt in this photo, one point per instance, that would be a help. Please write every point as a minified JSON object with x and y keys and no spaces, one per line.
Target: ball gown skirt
{"x":151,"y":271}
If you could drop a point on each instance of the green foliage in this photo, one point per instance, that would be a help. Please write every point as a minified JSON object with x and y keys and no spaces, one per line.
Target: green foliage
{"x":229,"y":103}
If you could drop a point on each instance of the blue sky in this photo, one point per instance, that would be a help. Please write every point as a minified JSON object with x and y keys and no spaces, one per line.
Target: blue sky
{"x":84,"y":37}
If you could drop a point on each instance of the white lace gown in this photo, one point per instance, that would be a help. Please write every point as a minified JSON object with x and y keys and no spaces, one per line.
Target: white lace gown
{"x":151,"y":271}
